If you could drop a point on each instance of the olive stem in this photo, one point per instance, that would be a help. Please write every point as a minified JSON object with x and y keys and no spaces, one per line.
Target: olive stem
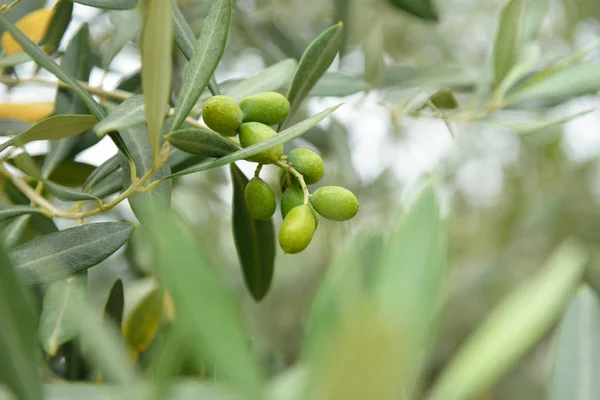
{"x":288,"y":167}
{"x":257,"y":171}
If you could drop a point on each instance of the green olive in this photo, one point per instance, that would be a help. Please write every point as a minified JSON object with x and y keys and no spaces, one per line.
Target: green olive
{"x":308,"y":163}
{"x":260,"y":199}
{"x":335,"y":203}
{"x":254,"y":132}
{"x":297,"y":230}
{"x":222,"y":114}
{"x":270,"y":108}
{"x":292,"y":198}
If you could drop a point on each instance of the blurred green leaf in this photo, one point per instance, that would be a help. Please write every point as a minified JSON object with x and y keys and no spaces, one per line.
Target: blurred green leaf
{"x":513,"y":327}
{"x":14,"y":59}
{"x":101,"y":172}
{"x":58,"y":321}
{"x":113,"y":309}
{"x":129,"y":113}
{"x":7,"y":212}
{"x":316,"y":59}
{"x":373,"y":48}
{"x":57,"y":26}
{"x":19,"y":368}
{"x":157,"y":42}
{"x":423,"y":9}
{"x":57,"y":255}
{"x":444,"y":99}
{"x":55,"y":127}
{"x":201,"y":142}
{"x":577,"y":350}
{"x":65,"y":193}
{"x":281,"y":138}
{"x":77,"y":62}
{"x":140,"y":328}
{"x":200,"y":295}
{"x":42,"y":224}
{"x":270,"y":79}
{"x":338,"y":84}
{"x":128,"y":25}
{"x":110,"y":184}
{"x":71,"y":173}
{"x":207,"y":54}
{"x":108,"y":4}
{"x":534,"y":126}
{"x":142,"y":203}
{"x":26,"y":164}
{"x":254,"y":240}
{"x":12,"y":233}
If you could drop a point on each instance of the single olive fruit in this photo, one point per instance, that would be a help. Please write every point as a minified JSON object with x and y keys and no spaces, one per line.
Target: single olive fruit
{"x":260,"y":199}
{"x":335,"y":203}
{"x":292,"y":198}
{"x":270,"y":108}
{"x":297,"y":230}
{"x":222,"y":114}
{"x":254,"y":132}
{"x":308,"y":163}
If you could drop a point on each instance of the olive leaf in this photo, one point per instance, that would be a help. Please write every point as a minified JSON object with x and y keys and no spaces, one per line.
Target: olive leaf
{"x":423,"y":9}
{"x":113,"y":309}
{"x":61,"y":17}
{"x":157,"y":42}
{"x":110,"y":184}
{"x":207,"y":54}
{"x":65,"y":193}
{"x":142,"y":324}
{"x":526,"y":127}
{"x":13,"y":232}
{"x":270,"y":79}
{"x":57,"y":255}
{"x":7,"y":212}
{"x":281,"y":138}
{"x":55,"y":127}
{"x":201,"y":142}
{"x":130,"y":112}
{"x":59,"y":322}
{"x":254,"y":240}
{"x":577,"y":350}
{"x":513,"y":327}
{"x":128,"y":25}
{"x":14,"y":59}
{"x":373,"y":47}
{"x":101,"y":172}
{"x":338,"y":84}
{"x":108,"y":4}
{"x":316,"y":59}
{"x":39,"y":222}
{"x":77,"y":62}
{"x":19,"y":368}
{"x":199,"y":295}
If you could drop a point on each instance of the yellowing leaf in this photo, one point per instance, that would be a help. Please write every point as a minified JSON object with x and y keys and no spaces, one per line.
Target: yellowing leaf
{"x":33,"y":25}
{"x":27,"y":112}
{"x":143,"y":322}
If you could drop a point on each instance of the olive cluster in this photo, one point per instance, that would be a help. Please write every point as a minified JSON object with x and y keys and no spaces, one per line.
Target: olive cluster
{"x":252,"y":120}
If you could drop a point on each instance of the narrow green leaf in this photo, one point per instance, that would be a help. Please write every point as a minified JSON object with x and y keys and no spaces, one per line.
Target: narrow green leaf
{"x":199,"y":295}
{"x":343,"y":11}
{"x":207,"y":54}
{"x":159,"y":197}
{"x":201,"y":142}
{"x":157,"y":42}
{"x":127,"y":27}
{"x":19,"y":368}
{"x":129,"y":113}
{"x":444,"y":99}
{"x":45,"y":61}
{"x":373,"y":48}
{"x":513,"y":327}
{"x":110,"y":184}
{"x":57,"y":26}
{"x":423,"y":9}
{"x":77,"y":62}
{"x":59,"y":323}
{"x":12,"y":234}
{"x":14,"y":59}
{"x":577,"y":350}
{"x":65,"y":193}
{"x":316,"y":59}
{"x":8,"y":212}
{"x":537,"y":125}
{"x":140,"y":328}
{"x":115,"y":303}
{"x":281,"y":138}
{"x":338,"y":84}
{"x":268,"y":80}
{"x":108,"y":4}
{"x":254,"y":240}
{"x":26,"y":164}
{"x":71,"y":173}
{"x":103,"y":170}
{"x":60,"y":254}
{"x":39,"y":222}
{"x":55,"y":127}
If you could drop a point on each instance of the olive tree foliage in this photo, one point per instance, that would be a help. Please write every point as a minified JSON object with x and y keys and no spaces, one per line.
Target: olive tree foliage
{"x":165,"y":317}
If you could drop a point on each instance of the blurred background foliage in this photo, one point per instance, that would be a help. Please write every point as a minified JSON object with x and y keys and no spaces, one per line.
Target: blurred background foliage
{"x":509,"y":198}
